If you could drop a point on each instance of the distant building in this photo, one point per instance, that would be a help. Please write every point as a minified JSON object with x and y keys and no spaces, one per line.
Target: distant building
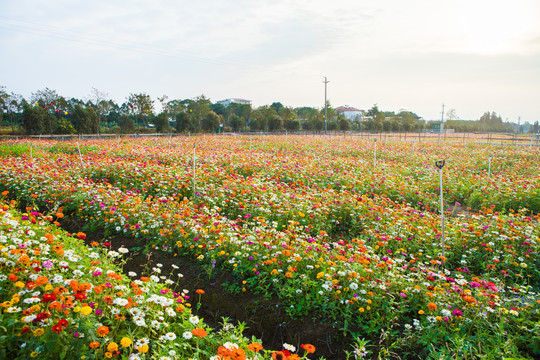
{"x":227,"y":102}
{"x":350,"y":112}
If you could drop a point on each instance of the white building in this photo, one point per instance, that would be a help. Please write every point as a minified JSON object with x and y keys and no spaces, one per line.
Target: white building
{"x":350,"y":112}
{"x":227,"y":102}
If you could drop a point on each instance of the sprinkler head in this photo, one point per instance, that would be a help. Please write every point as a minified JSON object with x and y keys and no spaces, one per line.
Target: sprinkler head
{"x":439,"y":163}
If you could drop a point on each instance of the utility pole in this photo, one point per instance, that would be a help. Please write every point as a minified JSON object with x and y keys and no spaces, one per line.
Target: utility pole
{"x":441,"y":129}
{"x":325,"y":104}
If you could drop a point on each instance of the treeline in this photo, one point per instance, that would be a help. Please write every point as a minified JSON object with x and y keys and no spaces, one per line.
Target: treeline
{"x":46,"y":112}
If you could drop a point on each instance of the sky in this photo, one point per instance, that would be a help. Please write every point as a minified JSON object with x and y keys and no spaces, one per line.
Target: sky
{"x":472,"y":56}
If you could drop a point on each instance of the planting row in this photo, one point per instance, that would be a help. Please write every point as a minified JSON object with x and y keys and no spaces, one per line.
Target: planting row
{"x":374,"y":265}
{"x":61,"y":299}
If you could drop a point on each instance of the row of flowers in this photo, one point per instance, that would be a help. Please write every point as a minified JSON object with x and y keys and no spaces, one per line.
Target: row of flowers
{"x":359,"y":258}
{"x":61,"y":299}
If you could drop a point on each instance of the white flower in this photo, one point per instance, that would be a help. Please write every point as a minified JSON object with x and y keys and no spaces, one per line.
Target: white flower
{"x":353,"y":286}
{"x":187,"y":335}
{"x":143,"y":341}
{"x":230,"y":346}
{"x":289,"y":347}
{"x":194,"y":320}
{"x":170,"y":336}
{"x":120,"y":302}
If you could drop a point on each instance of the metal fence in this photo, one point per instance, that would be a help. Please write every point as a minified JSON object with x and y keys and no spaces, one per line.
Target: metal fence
{"x":421,"y":136}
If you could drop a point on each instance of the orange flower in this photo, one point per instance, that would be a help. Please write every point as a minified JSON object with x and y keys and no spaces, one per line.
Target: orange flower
{"x":55,"y":306}
{"x":432,"y":306}
{"x":41,"y":280}
{"x":94,"y":344}
{"x":279,"y":355}
{"x":103,"y":330}
{"x":255,"y":347}
{"x":200,"y":291}
{"x":308,"y":347}
{"x":12,"y":277}
{"x":81,"y":235}
{"x":200,"y":332}
{"x":469,"y":299}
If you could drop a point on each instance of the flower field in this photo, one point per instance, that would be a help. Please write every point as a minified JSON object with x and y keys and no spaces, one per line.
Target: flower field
{"x":336,"y":231}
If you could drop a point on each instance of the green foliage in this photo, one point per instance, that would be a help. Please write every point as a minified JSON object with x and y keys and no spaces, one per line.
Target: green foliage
{"x":65,"y":127}
{"x":182,"y":122}
{"x":210,"y":122}
{"x":161,"y":123}
{"x":127,"y":126}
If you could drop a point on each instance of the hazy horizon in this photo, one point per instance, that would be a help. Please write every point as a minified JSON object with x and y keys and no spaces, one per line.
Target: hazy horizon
{"x":473,"y":56}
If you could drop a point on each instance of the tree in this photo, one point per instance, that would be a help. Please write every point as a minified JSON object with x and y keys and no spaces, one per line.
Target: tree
{"x":451,"y":114}
{"x":373,"y":111}
{"x":211,"y":121}
{"x":182,"y":122}
{"x":33,"y":119}
{"x":11,"y":106}
{"x":344,"y":124}
{"x":276,"y":106}
{"x":142,"y":106}
{"x":291,"y":124}
{"x":198,"y":109}
{"x":127,"y":126}
{"x":98,"y":100}
{"x":406,"y":120}
{"x":52,"y":103}
{"x":535,"y":127}
{"x":85,"y":120}
{"x":161,"y":123}
{"x":236,"y":122}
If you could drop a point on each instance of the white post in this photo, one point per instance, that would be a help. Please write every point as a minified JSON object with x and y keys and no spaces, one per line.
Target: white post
{"x":440,"y":165}
{"x":375,"y":155}
{"x":489,"y":167}
{"x":414,"y":142}
{"x":442,"y":211}
{"x":194,"y":194}
{"x":80,"y":155}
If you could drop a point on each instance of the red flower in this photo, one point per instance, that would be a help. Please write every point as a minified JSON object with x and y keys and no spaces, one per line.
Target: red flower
{"x":308,"y":347}
{"x":41,"y":316}
{"x":48,"y":297}
{"x":62,"y":323}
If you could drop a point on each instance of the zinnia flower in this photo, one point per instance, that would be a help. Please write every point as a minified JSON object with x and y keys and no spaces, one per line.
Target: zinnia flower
{"x":200,"y":332}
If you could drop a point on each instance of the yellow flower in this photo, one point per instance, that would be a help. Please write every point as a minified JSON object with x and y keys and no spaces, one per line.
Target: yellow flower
{"x":49,"y":287}
{"x":143,"y":349}
{"x":112,"y":347}
{"x":108,"y":355}
{"x":361,"y":310}
{"x":19,"y":284}
{"x":421,"y":312}
{"x":86,"y":310}
{"x":38,"y":332}
{"x":76,"y":309}
{"x":125,"y":342}
{"x":320,"y":275}
{"x":34,"y":354}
